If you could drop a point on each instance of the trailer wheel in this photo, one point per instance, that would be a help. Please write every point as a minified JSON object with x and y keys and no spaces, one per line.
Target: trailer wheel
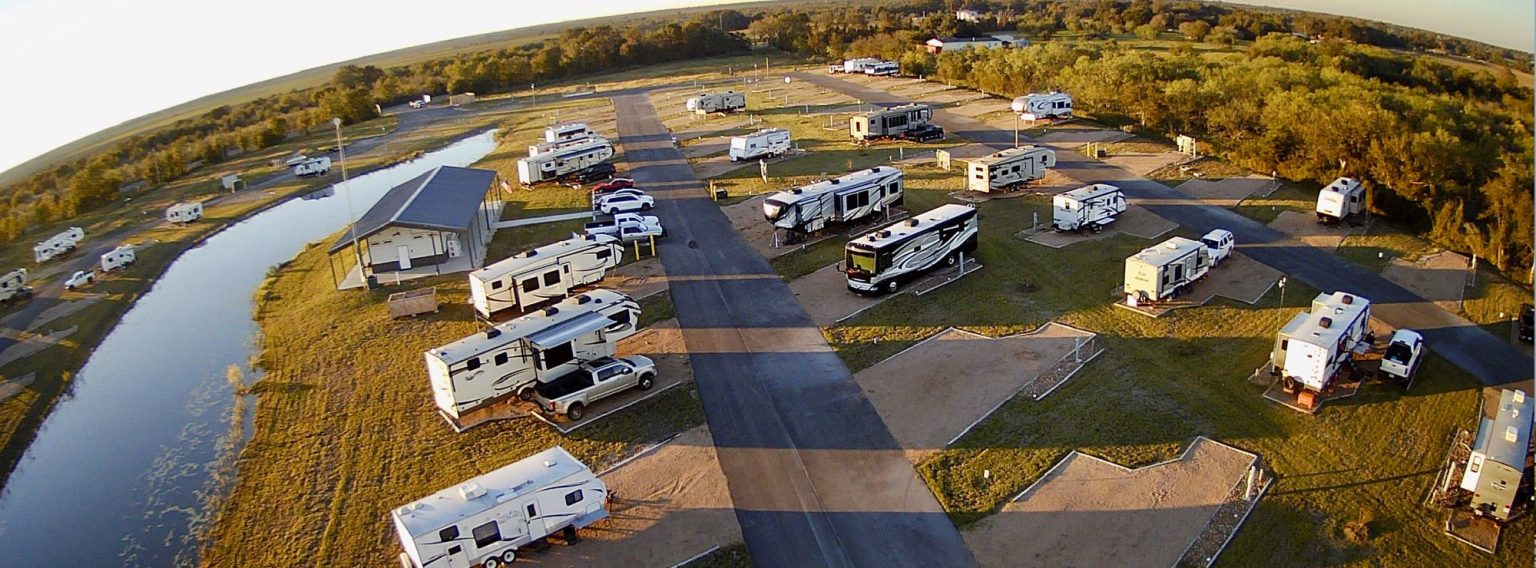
{"x":492,"y":562}
{"x":509,"y":556}
{"x":569,"y":533}
{"x":1097,"y":228}
{"x":890,"y":287}
{"x":576,"y":411}
{"x":525,"y":394}
{"x":646,"y":382}
{"x":951,"y":260}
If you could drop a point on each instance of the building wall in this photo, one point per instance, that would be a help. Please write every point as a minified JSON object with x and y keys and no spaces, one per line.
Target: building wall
{"x":426,"y":248}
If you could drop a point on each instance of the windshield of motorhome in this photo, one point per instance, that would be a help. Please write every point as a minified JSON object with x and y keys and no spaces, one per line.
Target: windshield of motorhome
{"x":861,"y":261}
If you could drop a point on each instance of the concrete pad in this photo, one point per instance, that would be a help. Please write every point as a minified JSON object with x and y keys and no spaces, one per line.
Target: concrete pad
{"x":825,"y":296}
{"x":1135,"y":221}
{"x":704,"y":148}
{"x":1074,"y":137}
{"x":1305,"y":228}
{"x":1087,"y":511}
{"x":64,"y":308}
{"x":29,"y":344}
{"x":747,"y":218}
{"x":721,"y":164}
{"x":1440,"y":278}
{"x":951,"y":97}
{"x":1477,"y":531}
{"x":1239,"y":277}
{"x":1144,"y":163}
{"x":979,"y":107}
{"x":941,"y":276}
{"x":11,"y":387}
{"x":701,"y":127}
{"x":638,"y":279}
{"x":1226,"y":192}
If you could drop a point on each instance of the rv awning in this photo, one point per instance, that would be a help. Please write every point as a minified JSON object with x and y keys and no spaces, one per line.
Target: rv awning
{"x":564,"y":332}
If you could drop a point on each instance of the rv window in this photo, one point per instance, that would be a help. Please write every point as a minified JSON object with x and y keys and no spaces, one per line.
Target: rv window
{"x":573,"y":497}
{"x":557,"y":356}
{"x":530,"y":284}
{"x":472,"y":364}
{"x":487,"y":534}
{"x":448,"y":534}
{"x":532,"y":511}
{"x":1285,"y":344}
{"x":551,"y":278}
{"x":501,"y":358}
{"x":603,"y":254}
{"x":495,"y":284}
{"x":621,"y":317}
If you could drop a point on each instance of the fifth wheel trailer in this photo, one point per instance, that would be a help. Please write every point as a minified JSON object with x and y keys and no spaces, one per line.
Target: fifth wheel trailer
{"x":13,"y":286}
{"x":1340,"y":200}
{"x":1036,"y":106}
{"x":729,"y":101}
{"x":567,"y":132}
{"x":543,"y":274}
{"x":186,"y":212}
{"x":485,"y":519}
{"x":548,"y":147}
{"x":313,"y":167}
{"x":854,"y":65}
{"x":772,"y":142}
{"x":889,"y":122}
{"x":883,"y":69}
{"x":846,"y":199}
{"x":1499,"y":452}
{"x":1161,"y":272}
{"x":563,"y":162}
{"x":1315,"y":346}
{"x":511,"y":357}
{"x":884,"y":258}
{"x":117,"y":258}
{"x":1088,"y":207}
{"x":1008,"y":169}
{"x":58,"y":245}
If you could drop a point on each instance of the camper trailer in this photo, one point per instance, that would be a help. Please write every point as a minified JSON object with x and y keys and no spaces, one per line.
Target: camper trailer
{"x":729,"y":101}
{"x":1038,"y":106}
{"x":1009,"y":169}
{"x":1340,"y":200}
{"x":117,"y":258}
{"x":889,"y":122}
{"x":842,"y":200}
{"x":563,"y":162}
{"x":547,"y":147}
{"x":769,"y":142}
{"x":1499,"y":451}
{"x":312,"y":167}
{"x":543,"y":274}
{"x":1161,"y":272}
{"x":883,"y":69}
{"x":510,"y":358}
{"x":567,"y":132}
{"x":58,"y":245}
{"x":1089,"y":207}
{"x":13,"y":286}
{"x":184,"y":212}
{"x":882,"y":259}
{"x":1314,"y":346}
{"x":854,"y":65}
{"x":484,"y":520}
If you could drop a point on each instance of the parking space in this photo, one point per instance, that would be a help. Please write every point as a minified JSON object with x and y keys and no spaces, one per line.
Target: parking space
{"x":1239,"y":277}
{"x":825,"y":296}
{"x":1135,"y":221}
{"x":1440,"y":278}
{"x":1305,"y":228}
{"x":1226,"y":192}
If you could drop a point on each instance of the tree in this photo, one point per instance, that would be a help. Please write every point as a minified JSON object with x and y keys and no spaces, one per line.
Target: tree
{"x":1195,"y":29}
{"x":1146,"y":31}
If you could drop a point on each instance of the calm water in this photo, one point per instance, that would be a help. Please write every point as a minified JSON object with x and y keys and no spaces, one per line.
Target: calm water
{"x":120,"y":473}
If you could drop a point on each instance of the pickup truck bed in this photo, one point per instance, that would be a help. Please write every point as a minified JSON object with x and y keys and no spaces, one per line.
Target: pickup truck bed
{"x":573,"y":381}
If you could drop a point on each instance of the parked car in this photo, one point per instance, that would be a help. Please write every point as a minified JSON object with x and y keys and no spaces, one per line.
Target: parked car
{"x":1218,"y":243}
{"x":625,"y":191}
{"x":80,"y":279}
{"x":612,"y":185}
{"x":613,"y":226}
{"x":596,"y":172}
{"x":624,"y":204}
{"x":1404,"y":353}
{"x":601,"y":378}
{"x":924,"y":133}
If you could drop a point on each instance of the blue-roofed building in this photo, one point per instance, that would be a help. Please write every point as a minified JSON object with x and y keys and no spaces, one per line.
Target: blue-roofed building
{"x":437,"y":223}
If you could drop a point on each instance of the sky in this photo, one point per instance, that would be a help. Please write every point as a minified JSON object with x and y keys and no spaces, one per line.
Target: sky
{"x":140,"y":56}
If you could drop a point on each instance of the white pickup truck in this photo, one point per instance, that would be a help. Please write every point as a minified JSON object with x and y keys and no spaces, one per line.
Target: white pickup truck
{"x":627,"y":227}
{"x":593,"y":381}
{"x":1404,"y":353}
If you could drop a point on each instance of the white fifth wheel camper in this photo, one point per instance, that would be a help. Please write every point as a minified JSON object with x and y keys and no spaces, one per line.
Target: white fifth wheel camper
{"x":1089,"y":207}
{"x":882,"y":259}
{"x":511,"y":357}
{"x":485,"y":519}
{"x":1340,"y":200}
{"x":1009,"y":169}
{"x":186,"y":212}
{"x":543,"y":274}
{"x":117,"y":258}
{"x":13,"y":286}
{"x":312,"y":167}
{"x":563,"y":162}
{"x":842,"y":200}
{"x":729,"y":101}
{"x":772,"y":142}
{"x":1037,"y":106}
{"x":854,"y":65}
{"x":1313,"y":347}
{"x":547,"y":147}
{"x":567,"y":132}
{"x":889,"y":122}
{"x":883,"y":69}
{"x":1497,"y":464}
{"x":58,"y":245}
{"x":1160,"y":272}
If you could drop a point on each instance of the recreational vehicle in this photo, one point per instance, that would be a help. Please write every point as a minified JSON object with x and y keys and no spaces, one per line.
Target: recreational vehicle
{"x":1089,"y":207}
{"x":846,"y":199}
{"x":117,"y":258}
{"x":547,"y":147}
{"x":889,"y":122}
{"x":882,"y":259}
{"x":1037,"y":106}
{"x":312,"y":167}
{"x":883,"y":69}
{"x":1009,"y":169}
{"x":770,"y":142}
{"x":567,"y":132}
{"x":1160,"y":272}
{"x":728,"y":101}
{"x":1340,"y":200}
{"x":184,"y":212}
{"x":13,"y":286}
{"x":854,"y":65}
{"x":511,"y":357}
{"x":1314,"y":346}
{"x":58,"y":245}
{"x":563,"y":162}
{"x":543,"y":274}
{"x":484,"y":520}
{"x":1497,"y":463}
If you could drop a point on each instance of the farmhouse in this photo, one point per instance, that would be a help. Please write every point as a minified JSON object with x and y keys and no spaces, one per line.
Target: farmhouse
{"x":437,"y":223}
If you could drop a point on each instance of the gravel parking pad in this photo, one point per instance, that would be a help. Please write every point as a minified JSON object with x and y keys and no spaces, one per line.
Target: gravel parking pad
{"x":1305,"y":228}
{"x":825,"y":296}
{"x":1440,"y":278}
{"x":1134,"y":221}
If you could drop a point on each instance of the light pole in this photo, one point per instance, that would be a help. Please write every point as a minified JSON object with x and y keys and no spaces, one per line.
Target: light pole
{"x":351,"y":221}
{"x":1015,"y":130}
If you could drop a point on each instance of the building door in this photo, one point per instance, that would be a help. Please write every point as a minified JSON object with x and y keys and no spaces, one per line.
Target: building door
{"x":451,"y":242}
{"x":405,"y":257}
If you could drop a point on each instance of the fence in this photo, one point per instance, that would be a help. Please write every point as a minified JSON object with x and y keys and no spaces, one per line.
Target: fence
{"x":1084,"y":349}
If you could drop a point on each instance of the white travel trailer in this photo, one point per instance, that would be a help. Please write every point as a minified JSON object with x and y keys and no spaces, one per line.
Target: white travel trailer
{"x":1037,"y":106}
{"x":854,"y":65}
{"x":563,"y":162}
{"x":1497,"y":463}
{"x":312,"y":167}
{"x":547,"y":147}
{"x":543,"y":274}
{"x":511,"y":357}
{"x":1160,"y":272}
{"x":485,"y":519}
{"x":882,"y":259}
{"x":1009,"y":169}
{"x":120,"y":257}
{"x":729,"y":101}
{"x":889,"y":122}
{"x":58,"y":245}
{"x":567,"y":132}
{"x":186,"y":212}
{"x":1089,"y":207}
{"x":13,"y":286}
{"x":1340,"y":200}
{"x":1313,"y":347}
{"x":842,"y":200}
{"x":883,"y":69}
{"x":771,"y":142}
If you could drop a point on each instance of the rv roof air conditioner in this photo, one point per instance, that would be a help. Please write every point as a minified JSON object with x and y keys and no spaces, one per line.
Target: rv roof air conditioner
{"x":835,"y":181}
{"x":471,"y":490}
{"x":875,"y":169}
{"x":913,"y":222}
{"x":795,"y":191}
{"x":1348,"y":299}
{"x":549,"y":311}
{"x":582,"y":299}
{"x":1325,"y":323}
{"x":492,"y":333}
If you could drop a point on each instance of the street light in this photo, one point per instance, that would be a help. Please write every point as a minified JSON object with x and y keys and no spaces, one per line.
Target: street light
{"x":351,"y":220}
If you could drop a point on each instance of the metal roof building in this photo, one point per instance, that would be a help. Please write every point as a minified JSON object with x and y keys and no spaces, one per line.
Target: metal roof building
{"x":439,"y":221}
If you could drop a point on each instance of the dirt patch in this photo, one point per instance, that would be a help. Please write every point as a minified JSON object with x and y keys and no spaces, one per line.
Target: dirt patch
{"x":825,"y":296}
{"x":1440,"y":278}
{"x":721,"y":164}
{"x":691,"y":127}
{"x":1090,"y":512}
{"x":639,"y":279}
{"x":955,"y":97}
{"x":979,"y":107}
{"x":1227,"y":192}
{"x":1143,"y":163}
{"x":1134,"y":221}
{"x":747,"y":218}
{"x":1071,"y":138}
{"x":1305,"y":228}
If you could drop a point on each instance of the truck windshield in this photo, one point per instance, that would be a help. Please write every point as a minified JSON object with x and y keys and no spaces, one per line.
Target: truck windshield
{"x":861,"y":262}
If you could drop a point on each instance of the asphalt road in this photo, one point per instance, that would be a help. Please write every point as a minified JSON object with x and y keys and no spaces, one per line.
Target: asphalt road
{"x":1491,"y":359}
{"x":815,"y":476}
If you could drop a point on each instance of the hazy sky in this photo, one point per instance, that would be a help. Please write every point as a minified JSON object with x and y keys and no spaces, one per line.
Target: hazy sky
{"x":77,"y":66}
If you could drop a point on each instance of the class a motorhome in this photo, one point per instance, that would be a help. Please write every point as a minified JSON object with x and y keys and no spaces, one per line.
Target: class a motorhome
{"x":13,"y":286}
{"x":117,"y":258}
{"x":312,"y":167}
{"x":766,"y":142}
{"x":1161,"y":272}
{"x":58,"y":245}
{"x":1340,"y":200}
{"x":548,"y":147}
{"x":855,"y":65}
{"x":563,"y":162}
{"x":567,"y":132}
{"x":1008,"y":169}
{"x":728,"y":101}
{"x":484,"y":520}
{"x":1314,"y":346}
{"x":1038,"y":106}
{"x":1089,"y":207}
{"x":186,"y":212}
{"x":884,"y":258}
{"x":846,"y":199}
{"x":883,"y":69}
{"x":1497,"y":463}
{"x":889,"y":122}
{"x":543,"y":274}
{"x":511,"y":357}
